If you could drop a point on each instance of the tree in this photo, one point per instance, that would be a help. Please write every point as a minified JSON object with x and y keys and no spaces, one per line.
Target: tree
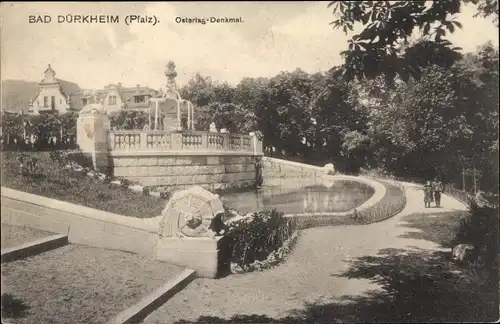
{"x":387,"y":27}
{"x":446,"y":120}
{"x":486,"y":8}
{"x":199,"y":90}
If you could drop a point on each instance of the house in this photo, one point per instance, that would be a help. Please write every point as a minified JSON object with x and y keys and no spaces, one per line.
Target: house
{"x":115,"y":97}
{"x":54,"y":95}
{"x":58,"y":96}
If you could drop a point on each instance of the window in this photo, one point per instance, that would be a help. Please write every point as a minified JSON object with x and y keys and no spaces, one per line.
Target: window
{"x":84,"y":102}
{"x":60,"y":101}
{"x":45,"y":102}
{"x":139,"y":99}
{"x":53,"y":102}
{"x":112,"y":100}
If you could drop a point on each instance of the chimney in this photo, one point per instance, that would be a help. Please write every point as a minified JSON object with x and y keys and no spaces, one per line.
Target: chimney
{"x":119,"y":84}
{"x":138,"y":86}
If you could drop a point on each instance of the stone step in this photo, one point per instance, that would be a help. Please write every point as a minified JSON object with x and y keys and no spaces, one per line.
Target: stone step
{"x":139,"y":311}
{"x":34,"y":247}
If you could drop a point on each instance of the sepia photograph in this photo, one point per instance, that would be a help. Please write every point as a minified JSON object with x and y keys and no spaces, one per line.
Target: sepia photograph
{"x":249,"y":162}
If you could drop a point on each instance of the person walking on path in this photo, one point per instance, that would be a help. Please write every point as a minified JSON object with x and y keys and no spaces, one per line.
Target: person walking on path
{"x":437,"y":188}
{"x":428,"y":194}
{"x":258,"y":172}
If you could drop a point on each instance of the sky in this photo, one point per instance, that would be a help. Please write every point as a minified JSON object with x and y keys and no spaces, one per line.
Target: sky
{"x":274,"y":37}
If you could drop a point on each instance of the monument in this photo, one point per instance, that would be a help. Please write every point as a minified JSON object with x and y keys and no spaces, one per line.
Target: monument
{"x":92,"y":129}
{"x":186,"y":231}
{"x":171,"y":105}
{"x":190,"y":212}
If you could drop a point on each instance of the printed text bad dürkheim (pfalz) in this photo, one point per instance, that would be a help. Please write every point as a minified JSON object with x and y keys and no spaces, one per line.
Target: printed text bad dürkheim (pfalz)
{"x":128,"y":19}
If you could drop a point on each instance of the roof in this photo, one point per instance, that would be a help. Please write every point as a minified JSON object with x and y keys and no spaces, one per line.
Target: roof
{"x":17,"y":95}
{"x":68,"y":88}
{"x":128,"y":94}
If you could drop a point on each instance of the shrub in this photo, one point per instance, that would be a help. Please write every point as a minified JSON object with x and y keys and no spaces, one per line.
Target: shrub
{"x":481,"y":229}
{"x":254,"y":238}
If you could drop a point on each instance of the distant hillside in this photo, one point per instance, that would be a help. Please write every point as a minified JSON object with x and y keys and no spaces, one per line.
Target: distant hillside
{"x":17,"y":94}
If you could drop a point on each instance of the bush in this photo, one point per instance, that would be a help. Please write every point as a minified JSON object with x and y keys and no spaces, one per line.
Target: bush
{"x":481,"y":229}
{"x":45,"y":128}
{"x":254,"y":238}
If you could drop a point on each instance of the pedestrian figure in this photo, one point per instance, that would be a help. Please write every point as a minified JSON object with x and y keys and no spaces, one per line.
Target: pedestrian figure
{"x":437,"y":188}
{"x":258,"y":172}
{"x":427,"y":194}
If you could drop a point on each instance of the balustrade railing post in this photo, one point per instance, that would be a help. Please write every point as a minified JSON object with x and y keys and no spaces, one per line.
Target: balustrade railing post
{"x":143,"y":141}
{"x":176,"y":141}
{"x":225,"y":143}
{"x":204,"y":140}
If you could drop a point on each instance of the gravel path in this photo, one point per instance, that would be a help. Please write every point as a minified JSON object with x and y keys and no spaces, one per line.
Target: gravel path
{"x":391,"y":271}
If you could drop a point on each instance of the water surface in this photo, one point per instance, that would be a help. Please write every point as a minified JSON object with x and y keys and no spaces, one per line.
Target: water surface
{"x":338,"y":196}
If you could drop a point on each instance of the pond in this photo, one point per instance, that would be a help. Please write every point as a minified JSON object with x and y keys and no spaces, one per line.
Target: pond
{"x":338,"y":196}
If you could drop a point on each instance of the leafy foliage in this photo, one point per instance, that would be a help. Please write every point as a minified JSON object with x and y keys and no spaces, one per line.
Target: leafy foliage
{"x":486,"y":8}
{"x":481,"y":229}
{"x":43,"y":128}
{"x":442,"y":122}
{"x":382,"y":46}
{"x":255,"y":238}
{"x":130,"y":120}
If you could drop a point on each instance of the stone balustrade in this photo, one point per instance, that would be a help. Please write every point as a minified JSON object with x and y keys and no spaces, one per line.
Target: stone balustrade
{"x":154,"y":141}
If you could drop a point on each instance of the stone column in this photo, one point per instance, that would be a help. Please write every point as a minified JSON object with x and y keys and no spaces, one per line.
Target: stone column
{"x":178,"y":113}
{"x":93,"y":138}
{"x":189,"y":115}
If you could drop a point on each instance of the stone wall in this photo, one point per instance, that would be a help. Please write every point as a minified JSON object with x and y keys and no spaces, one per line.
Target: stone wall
{"x":101,"y":229}
{"x":276,"y":171}
{"x":212,"y":172}
{"x":83,"y":225}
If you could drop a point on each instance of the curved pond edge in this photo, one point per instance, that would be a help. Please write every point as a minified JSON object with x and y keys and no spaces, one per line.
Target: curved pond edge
{"x":303,"y":173}
{"x":375,"y":210}
{"x":379,"y":193}
{"x":388,"y":199}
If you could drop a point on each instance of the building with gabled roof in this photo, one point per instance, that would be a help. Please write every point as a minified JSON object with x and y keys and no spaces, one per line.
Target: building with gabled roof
{"x":54,"y":95}
{"x":59,"y":96}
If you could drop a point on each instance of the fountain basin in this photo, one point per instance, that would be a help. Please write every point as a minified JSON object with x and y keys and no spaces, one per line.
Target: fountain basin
{"x":333,"y":196}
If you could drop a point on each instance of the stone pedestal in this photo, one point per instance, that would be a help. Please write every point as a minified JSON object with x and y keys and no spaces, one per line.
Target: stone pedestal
{"x":93,"y":128}
{"x":186,"y":235}
{"x":198,"y":253}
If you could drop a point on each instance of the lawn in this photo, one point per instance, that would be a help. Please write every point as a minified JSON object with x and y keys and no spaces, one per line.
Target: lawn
{"x":17,"y":235}
{"x":54,"y":181}
{"x":76,"y":284}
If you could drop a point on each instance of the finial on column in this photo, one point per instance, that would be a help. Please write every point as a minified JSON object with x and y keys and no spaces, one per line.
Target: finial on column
{"x":170,"y":73}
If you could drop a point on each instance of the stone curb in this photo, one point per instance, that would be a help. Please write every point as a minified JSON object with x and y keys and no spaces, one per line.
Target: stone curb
{"x":33,"y":248}
{"x":139,"y":311}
